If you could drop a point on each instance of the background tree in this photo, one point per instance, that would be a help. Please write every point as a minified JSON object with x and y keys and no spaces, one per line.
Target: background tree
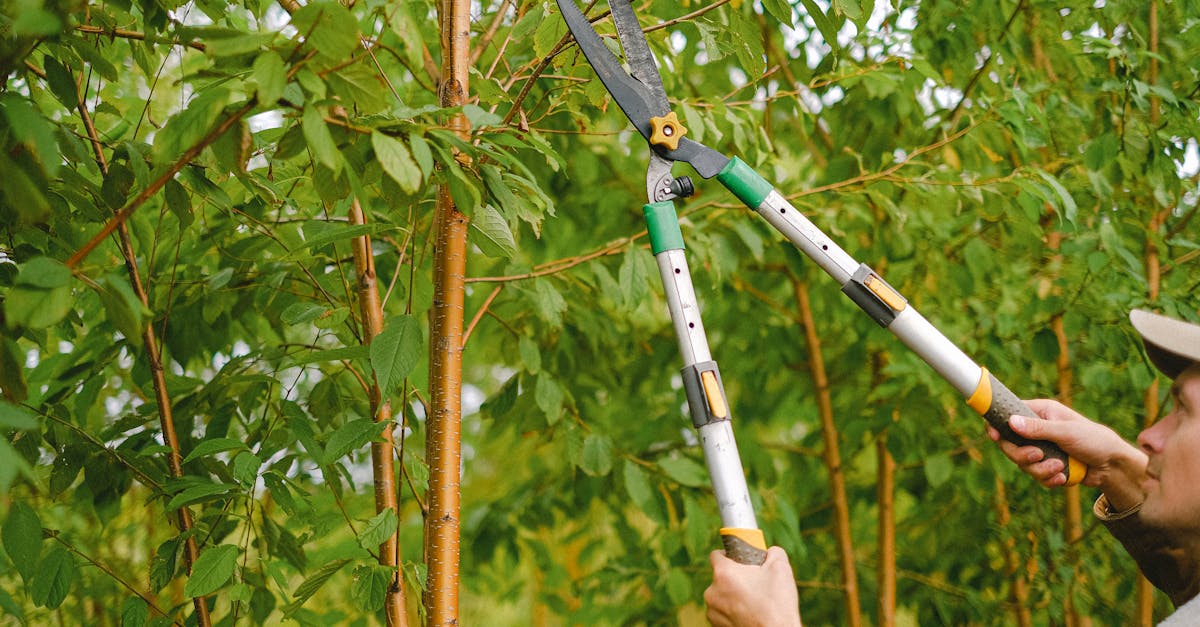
{"x":1024,"y":171}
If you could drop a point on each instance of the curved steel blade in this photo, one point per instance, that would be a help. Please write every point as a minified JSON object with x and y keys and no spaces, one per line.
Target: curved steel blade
{"x":637,"y":54}
{"x":631,"y":95}
{"x":637,"y":100}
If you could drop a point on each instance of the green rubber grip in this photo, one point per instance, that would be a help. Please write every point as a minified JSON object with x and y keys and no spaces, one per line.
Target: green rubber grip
{"x":745,"y":183}
{"x":663,"y":226}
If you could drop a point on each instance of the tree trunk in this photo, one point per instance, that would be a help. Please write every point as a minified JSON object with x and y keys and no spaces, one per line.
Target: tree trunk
{"x":833,"y":461}
{"x":382,"y":458}
{"x":443,"y":444}
{"x":887,"y":532}
{"x":1019,"y":590}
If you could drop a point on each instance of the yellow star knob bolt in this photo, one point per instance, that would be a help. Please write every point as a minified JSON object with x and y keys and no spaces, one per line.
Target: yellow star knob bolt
{"x":666,"y":131}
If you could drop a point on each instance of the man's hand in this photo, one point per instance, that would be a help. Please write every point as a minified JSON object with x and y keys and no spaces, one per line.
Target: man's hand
{"x":753,"y":596}
{"x":1114,"y":465}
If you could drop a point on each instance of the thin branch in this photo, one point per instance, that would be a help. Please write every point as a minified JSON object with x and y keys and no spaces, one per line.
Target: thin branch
{"x":983,"y":68}
{"x":123,"y":214}
{"x":479,"y":314}
{"x":143,"y":477}
{"x":129,"y":34}
{"x":115,"y":577}
{"x":685,"y":18}
{"x":486,"y":38}
{"x":560,"y":265}
{"x":890,"y":170}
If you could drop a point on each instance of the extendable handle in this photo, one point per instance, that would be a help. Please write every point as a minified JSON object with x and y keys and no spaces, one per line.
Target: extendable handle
{"x":890,"y":310}
{"x":707,"y":404}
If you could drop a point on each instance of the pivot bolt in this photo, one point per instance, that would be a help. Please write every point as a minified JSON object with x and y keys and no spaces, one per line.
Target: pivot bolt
{"x":666,"y":131}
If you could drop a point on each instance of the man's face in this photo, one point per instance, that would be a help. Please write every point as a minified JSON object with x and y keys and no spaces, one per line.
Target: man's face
{"x":1172,"y":481}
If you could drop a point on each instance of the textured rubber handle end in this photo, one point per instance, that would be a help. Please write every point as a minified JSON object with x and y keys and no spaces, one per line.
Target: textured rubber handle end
{"x":744,"y":546}
{"x":1076,"y":471}
{"x":996,"y":403}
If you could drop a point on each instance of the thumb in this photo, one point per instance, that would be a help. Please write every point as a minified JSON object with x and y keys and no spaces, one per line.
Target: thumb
{"x":1040,"y":429}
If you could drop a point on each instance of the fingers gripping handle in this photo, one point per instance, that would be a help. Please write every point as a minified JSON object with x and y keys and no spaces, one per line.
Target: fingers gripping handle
{"x":744,"y":546}
{"x":996,"y":403}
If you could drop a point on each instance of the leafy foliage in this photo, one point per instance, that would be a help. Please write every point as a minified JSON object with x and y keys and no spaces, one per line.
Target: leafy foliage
{"x":944,"y":144}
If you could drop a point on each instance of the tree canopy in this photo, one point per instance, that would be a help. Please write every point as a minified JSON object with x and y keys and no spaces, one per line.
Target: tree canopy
{"x":191,"y":382}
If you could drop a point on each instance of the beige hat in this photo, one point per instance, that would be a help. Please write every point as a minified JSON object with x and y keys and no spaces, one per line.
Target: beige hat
{"x":1172,"y":344}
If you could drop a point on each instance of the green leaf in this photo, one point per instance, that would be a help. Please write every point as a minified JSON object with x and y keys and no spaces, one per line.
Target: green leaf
{"x":66,"y":467}
{"x":227,"y":43}
{"x":13,"y":463}
{"x":377,"y":530}
{"x":62,"y":84}
{"x":849,"y":8}
{"x":1066,"y":202}
{"x":547,"y":35}
{"x":214,"y":446}
{"x":395,"y":159}
{"x":21,"y":194}
{"x":347,"y":353}
{"x":464,"y":190}
{"x":12,"y":372}
{"x":370,"y":586}
{"x":329,"y":27}
{"x":320,"y":140}
{"x":360,"y":87}
{"x":318,"y":233}
{"x":597,"y":455}
{"x":480,"y":117}
{"x":494,"y":237}
{"x":635,"y":280}
{"x":421,"y":153}
{"x":780,"y":10}
{"x":163,"y":564}
{"x":185,"y":129}
{"x":310,"y":586}
{"x":548,"y":302}
{"x":549,"y":397}
{"x":679,"y":587}
{"x":134,"y":612}
{"x":637,"y":484}
{"x":16,"y":417}
{"x":56,"y":573}
{"x":9,"y":607}
{"x":531,"y":355}
{"x":245,"y":468}
{"x":41,"y":296}
{"x":198,"y":493}
{"x":530,"y":21}
{"x":125,"y":310}
{"x":396,"y":351}
{"x":352,"y":435}
{"x":299,"y":313}
{"x":33,"y":130}
{"x":938,"y":469}
{"x":270,"y":77}
{"x":685,"y":471}
{"x":824,"y":24}
{"x":22,"y":538}
{"x":212,"y":570}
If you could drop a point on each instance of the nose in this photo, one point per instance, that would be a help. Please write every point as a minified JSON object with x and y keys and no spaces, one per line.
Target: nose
{"x":1151,"y":438}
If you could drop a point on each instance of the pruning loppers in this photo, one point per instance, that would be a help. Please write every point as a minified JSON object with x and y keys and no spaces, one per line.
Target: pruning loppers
{"x":640,"y":95}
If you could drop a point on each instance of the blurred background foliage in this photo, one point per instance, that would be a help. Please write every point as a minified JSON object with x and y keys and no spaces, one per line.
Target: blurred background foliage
{"x":1024,"y":171}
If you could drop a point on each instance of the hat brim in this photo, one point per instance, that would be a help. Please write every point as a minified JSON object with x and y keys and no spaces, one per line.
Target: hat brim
{"x":1172,"y":345}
